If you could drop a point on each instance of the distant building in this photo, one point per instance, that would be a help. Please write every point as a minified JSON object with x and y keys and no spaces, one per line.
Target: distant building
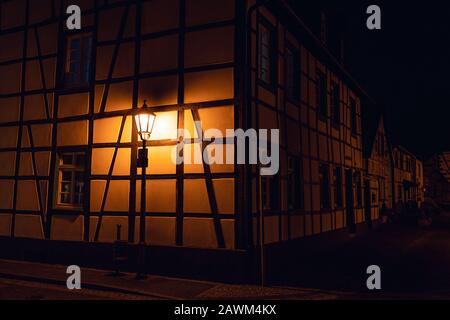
{"x":379,"y":166}
{"x":420,"y":181}
{"x":408,"y":177}
{"x":437,"y":178}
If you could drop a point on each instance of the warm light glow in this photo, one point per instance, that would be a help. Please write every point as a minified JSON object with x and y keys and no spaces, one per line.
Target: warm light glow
{"x":166,"y":126}
{"x":145,"y":121}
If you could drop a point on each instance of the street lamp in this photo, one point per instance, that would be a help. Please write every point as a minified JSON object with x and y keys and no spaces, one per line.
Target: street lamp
{"x":145,"y":122}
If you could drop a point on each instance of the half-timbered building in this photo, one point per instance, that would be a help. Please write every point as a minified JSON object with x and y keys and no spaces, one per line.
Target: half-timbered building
{"x":68,"y":143}
{"x":437,"y":178}
{"x":378,"y":187}
{"x":408,"y":177}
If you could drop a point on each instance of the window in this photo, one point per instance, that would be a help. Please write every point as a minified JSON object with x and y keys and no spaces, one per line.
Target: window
{"x":294,"y":181}
{"x":71,"y":168}
{"x":266,"y":52}
{"x":337,"y":181}
{"x":292,"y":74}
{"x":78,"y":60}
{"x":269,"y":193}
{"x":324,"y":187}
{"x":353,"y":117}
{"x":336,"y":104}
{"x":358,"y":186}
{"x":321,"y":87}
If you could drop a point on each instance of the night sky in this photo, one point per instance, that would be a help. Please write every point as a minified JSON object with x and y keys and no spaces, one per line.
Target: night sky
{"x":405,"y":67}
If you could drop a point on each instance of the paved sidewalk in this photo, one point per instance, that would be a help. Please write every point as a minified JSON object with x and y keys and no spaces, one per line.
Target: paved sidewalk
{"x":155,"y":286}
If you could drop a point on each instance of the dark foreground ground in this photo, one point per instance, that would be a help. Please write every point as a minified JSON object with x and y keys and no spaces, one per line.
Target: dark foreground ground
{"x":414,"y":262}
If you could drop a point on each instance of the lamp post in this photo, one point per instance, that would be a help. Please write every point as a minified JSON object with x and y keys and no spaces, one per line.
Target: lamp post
{"x":145,"y":121}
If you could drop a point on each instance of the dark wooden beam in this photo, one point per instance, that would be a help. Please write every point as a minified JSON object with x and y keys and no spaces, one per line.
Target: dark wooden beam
{"x":210,"y":188}
{"x":108,"y":181}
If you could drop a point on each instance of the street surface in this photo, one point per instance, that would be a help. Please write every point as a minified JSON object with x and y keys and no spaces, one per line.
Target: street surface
{"x":12,"y":289}
{"x":414,"y":262}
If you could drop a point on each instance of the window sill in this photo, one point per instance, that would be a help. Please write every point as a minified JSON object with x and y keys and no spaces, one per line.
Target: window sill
{"x":68,"y":208}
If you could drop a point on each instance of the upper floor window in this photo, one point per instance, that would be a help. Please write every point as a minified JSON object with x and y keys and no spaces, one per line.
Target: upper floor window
{"x":292,"y":74}
{"x":324,"y":178}
{"x":71,"y":169}
{"x":78,"y":66}
{"x":321,"y":95}
{"x":266,"y":53}
{"x":336,"y":104}
{"x":353,"y":116}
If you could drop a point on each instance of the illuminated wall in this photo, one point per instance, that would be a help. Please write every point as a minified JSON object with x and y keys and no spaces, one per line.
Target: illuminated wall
{"x":179,"y":56}
{"x":186,"y":58}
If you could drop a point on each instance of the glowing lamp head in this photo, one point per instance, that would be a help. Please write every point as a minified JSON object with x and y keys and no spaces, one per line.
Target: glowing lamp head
{"x":145,"y":122}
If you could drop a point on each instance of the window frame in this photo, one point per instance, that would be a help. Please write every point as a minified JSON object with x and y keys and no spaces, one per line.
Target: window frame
{"x":336,"y":104}
{"x":358,"y":184}
{"x":73,"y":168}
{"x":292,"y":91}
{"x":272,"y":51}
{"x":80,"y":82}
